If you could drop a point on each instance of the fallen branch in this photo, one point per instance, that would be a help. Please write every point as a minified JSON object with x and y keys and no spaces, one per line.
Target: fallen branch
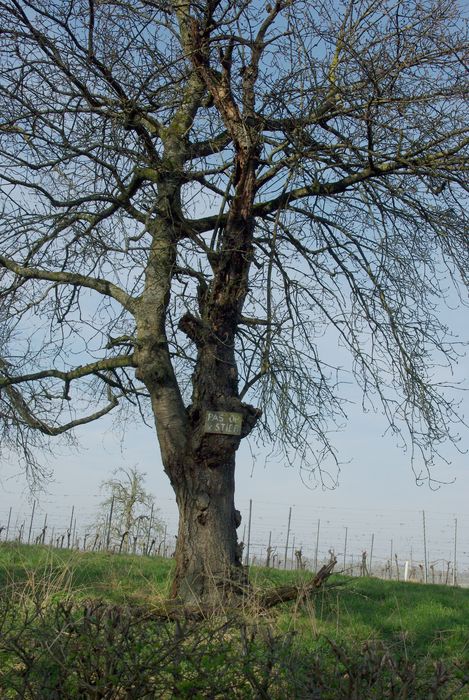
{"x":297,"y":592}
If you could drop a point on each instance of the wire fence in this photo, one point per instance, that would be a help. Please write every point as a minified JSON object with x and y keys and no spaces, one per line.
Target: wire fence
{"x":428,"y":547}
{"x":393,"y":544}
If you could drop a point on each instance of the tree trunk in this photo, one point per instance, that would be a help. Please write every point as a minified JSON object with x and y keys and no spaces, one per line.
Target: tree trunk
{"x":208,"y":557}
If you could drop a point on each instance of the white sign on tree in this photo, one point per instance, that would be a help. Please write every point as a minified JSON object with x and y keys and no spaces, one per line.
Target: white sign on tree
{"x":223,"y":423}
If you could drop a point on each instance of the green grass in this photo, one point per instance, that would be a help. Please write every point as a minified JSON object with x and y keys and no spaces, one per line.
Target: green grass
{"x":421,"y":619}
{"x":114,"y":578}
{"x":416,"y":619}
{"x":414,"y":625}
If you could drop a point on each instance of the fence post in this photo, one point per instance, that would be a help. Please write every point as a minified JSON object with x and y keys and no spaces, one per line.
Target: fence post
{"x":371,"y":550}
{"x":246,"y":561}
{"x":425,"y":546}
{"x":8,"y":525}
{"x":397,"y":567}
{"x":70,"y":527}
{"x":317,"y":547}
{"x":454,"y":560}
{"x":108,"y":538}
{"x":288,"y":537}
{"x":44,"y":528}
{"x":269,"y":551}
{"x":31,"y":522}
{"x":149,"y":530}
{"x":345,"y":546}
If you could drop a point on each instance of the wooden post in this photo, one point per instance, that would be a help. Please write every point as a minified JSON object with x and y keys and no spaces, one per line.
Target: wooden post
{"x":248,"y":547}
{"x":345,"y":546}
{"x":44,"y":528}
{"x":31,"y":522}
{"x":70,"y":528}
{"x":108,"y":537}
{"x":135,"y":537}
{"x":455,"y":544}
{"x":121,"y":544}
{"x":288,"y":537}
{"x":269,"y":551}
{"x":147,"y":547}
{"x":425,"y":546}
{"x":8,"y":525}
{"x":316,"y":551}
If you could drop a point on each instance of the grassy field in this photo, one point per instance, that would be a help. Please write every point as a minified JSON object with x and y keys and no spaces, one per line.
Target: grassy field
{"x":357,"y":638}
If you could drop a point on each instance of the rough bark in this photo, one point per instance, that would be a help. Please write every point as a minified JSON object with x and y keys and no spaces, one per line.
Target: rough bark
{"x":208,"y":559}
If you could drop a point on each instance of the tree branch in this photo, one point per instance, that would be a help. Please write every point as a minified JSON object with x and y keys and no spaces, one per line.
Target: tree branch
{"x":77,"y":373}
{"x":101,"y":286}
{"x":37,"y":424}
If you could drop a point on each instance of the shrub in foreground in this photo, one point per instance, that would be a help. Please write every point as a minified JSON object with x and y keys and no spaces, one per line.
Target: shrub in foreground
{"x":92,"y":650}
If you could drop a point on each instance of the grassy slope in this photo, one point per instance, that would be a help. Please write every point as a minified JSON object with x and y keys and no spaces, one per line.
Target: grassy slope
{"x":415,"y":619}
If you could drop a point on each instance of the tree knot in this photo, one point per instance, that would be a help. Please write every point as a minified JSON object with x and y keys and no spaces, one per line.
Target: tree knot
{"x":194,"y":328}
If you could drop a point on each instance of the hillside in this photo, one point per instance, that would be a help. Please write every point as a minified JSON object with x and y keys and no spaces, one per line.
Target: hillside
{"x":363,"y":636}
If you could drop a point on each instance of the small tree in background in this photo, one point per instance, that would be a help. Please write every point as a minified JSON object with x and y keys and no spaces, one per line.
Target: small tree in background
{"x":134,"y":518}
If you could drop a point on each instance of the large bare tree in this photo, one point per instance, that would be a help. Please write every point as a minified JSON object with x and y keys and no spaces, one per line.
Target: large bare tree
{"x":197,"y":198}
